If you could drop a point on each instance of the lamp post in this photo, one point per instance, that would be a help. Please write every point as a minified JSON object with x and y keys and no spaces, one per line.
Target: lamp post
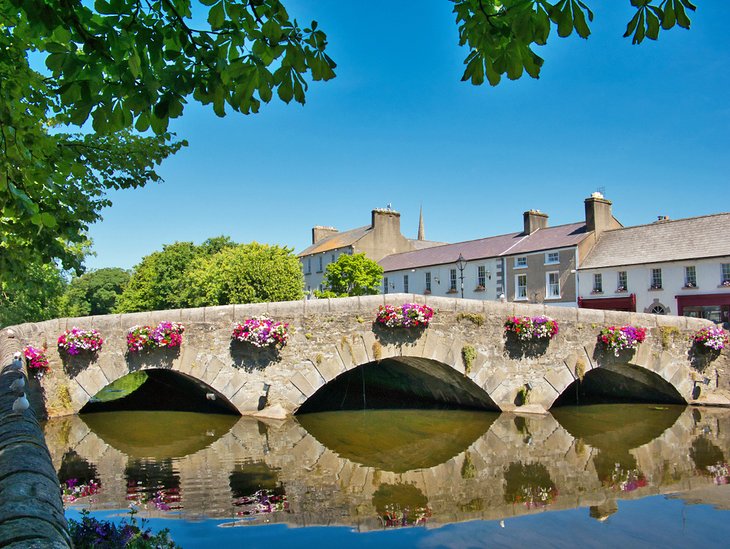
{"x":460,"y":264}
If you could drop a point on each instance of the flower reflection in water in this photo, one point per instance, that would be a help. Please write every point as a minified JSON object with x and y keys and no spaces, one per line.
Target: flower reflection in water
{"x":261,"y":502}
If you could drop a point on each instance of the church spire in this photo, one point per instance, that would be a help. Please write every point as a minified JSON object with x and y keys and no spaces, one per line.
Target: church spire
{"x":421,"y":230}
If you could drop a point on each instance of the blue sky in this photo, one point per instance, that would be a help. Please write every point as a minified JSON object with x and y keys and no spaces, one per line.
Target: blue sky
{"x":649,"y":124}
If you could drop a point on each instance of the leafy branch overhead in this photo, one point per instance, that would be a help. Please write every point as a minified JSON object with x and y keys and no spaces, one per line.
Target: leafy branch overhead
{"x":126,"y":62}
{"x":501,"y":34}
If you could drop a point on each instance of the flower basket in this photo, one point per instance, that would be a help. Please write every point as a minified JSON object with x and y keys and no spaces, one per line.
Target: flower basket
{"x":528,"y":328}
{"x":408,"y":315}
{"x":75,"y":341}
{"x":261,"y":331}
{"x":617,"y":339}
{"x":625,"y":480}
{"x":167,"y":335}
{"x":710,"y":338}
{"x":37,"y":361}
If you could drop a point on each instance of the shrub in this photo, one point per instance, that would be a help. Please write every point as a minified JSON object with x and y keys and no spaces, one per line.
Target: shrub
{"x":711,"y":337}
{"x":408,"y":315}
{"x":532,"y":327}
{"x":74,"y":341}
{"x":36,"y":360}
{"x":165,"y":335}
{"x":261,"y":331}
{"x":616,"y":339}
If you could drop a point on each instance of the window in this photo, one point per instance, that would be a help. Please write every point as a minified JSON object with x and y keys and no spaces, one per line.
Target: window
{"x":405,"y":283}
{"x":690,"y":277}
{"x":552,"y":283}
{"x":309,"y":266}
{"x":320,"y":264}
{"x":725,"y":274}
{"x":428,"y":282}
{"x":481,"y":276}
{"x":333,"y":258}
{"x":521,"y":262}
{"x":623,"y":282}
{"x":385,"y":284}
{"x":452,"y":280}
{"x":597,"y":283}
{"x":658,"y":310}
{"x":552,"y":257}
{"x":521,"y":287}
{"x":656,"y":279}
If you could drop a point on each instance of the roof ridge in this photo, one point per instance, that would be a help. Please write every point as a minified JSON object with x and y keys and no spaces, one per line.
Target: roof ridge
{"x":663,"y":222}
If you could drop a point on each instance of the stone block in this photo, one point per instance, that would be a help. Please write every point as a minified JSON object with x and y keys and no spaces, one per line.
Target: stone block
{"x":329,"y":369}
{"x":343,"y":305}
{"x":562,"y":314}
{"x":302,"y":383}
{"x":368,"y":305}
{"x":249,"y":310}
{"x":219,"y":313}
{"x":92,"y":380}
{"x":316,"y":306}
{"x":191,"y":316}
{"x":671,"y":321}
{"x":559,"y":378}
{"x":438,"y":302}
{"x":286,"y":310}
{"x":247,"y":399}
{"x":592,"y":316}
{"x":469,"y":305}
{"x":233,"y":382}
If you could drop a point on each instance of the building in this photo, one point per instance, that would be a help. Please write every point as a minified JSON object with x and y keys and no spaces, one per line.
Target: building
{"x":535,"y":265}
{"x":679,"y":267}
{"x":382,"y":237}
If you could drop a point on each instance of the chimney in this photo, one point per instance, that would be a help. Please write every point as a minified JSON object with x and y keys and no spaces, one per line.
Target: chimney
{"x":319,"y":232}
{"x":386,"y":221}
{"x":598,"y":214}
{"x":534,"y":220}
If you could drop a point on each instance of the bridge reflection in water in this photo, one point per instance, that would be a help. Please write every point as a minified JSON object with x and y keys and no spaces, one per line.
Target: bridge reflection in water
{"x":375,"y":469}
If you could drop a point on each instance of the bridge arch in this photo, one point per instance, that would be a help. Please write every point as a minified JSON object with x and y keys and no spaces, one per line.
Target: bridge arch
{"x":399,"y":382}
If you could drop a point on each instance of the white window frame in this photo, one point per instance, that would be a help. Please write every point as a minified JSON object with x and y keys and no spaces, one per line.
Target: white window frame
{"x":309,"y":266}
{"x":690,"y":276}
{"x":320,"y":264}
{"x":724,"y":273}
{"x":655,"y":279}
{"x":405,"y":283}
{"x":452,"y":280}
{"x":521,"y":262}
{"x":428,"y":281}
{"x":597,"y":283}
{"x":482,"y":276}
{"x":625,"y":281}
{"x":385,"y":284}
{"x":552,"y":260}
{"x":520,"y":289}
{"x":550,"y":286}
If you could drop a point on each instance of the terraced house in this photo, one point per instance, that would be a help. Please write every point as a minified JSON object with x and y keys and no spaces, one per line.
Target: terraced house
{"x":535,"y":265}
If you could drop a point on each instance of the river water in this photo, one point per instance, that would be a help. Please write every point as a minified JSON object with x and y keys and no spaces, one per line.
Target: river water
{"x":601,"y":475}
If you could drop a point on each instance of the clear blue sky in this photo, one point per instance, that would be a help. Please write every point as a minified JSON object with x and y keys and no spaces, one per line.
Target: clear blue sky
{"x":650,"y":124}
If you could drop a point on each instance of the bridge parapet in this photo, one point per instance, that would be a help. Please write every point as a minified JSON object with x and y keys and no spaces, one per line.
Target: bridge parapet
{"x":331,"y":337}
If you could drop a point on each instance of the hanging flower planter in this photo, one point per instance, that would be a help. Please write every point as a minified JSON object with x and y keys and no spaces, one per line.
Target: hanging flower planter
{"x":37,"y":361}
{"x":408,"y":315}
{"x":167,"y":335}
{"x":75,"y":341}
{"x":261,"y":331}
{"x":528,"y":328}
{"x":711,"y":338}
{"x":617,"y":339}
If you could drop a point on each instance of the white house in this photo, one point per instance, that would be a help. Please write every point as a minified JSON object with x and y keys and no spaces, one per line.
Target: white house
{"x":679,"y":267}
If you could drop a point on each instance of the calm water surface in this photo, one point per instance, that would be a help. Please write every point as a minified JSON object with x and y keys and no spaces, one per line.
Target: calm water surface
{"x":636,"y":475}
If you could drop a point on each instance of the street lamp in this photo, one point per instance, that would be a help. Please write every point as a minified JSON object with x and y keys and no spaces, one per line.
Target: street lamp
{"x":460,"y":264}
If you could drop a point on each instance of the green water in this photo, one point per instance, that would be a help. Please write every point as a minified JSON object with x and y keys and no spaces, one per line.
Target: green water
{"x":394,"y":469}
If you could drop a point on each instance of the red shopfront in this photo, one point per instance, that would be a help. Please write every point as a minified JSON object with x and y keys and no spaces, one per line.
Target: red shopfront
{"x":715,"y":307}
{"x":627,"y":303}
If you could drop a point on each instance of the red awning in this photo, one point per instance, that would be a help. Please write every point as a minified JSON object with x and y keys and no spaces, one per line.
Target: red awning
{"x":701,"y":300}
{"x":627,"y":303}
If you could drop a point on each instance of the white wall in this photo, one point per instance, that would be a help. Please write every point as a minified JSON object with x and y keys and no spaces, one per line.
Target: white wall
{"x":673,"y":280}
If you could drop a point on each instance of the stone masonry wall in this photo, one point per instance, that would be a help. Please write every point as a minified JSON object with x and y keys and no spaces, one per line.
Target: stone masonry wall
{"x":331,"y":336}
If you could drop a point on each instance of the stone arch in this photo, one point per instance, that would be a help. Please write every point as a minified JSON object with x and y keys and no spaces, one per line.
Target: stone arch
{"x":622,"y":380}
{"x":398,"y":382}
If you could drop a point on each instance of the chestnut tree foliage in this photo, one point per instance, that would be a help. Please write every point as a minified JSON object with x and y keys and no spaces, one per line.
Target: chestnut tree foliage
{"x":351,"y":275}
{"x":118,"y":67}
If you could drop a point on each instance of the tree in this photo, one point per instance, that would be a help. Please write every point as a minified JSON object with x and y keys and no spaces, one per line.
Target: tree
{"x":94,"y":293}
{"x":500,"y":34}
{"x":34,"y":297}
{"x":247,"y":273}
{"x":352,"y":275}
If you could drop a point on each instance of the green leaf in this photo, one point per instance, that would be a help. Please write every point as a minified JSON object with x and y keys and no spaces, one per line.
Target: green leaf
{"x":216,"y":16}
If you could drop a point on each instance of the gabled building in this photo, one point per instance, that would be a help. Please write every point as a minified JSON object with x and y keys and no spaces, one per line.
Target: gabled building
{"x":679,"y":267}
{"x":535,"y":265}
{"x":382,"y":237}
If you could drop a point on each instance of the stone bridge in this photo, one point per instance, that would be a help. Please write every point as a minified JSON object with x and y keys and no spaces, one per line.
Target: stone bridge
{"x":334,"y":345}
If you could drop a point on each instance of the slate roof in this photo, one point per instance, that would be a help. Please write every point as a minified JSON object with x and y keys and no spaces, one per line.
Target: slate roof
{"x":679,"y":240}
{"x":495,"y":246}
{"x":337,"y":240}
